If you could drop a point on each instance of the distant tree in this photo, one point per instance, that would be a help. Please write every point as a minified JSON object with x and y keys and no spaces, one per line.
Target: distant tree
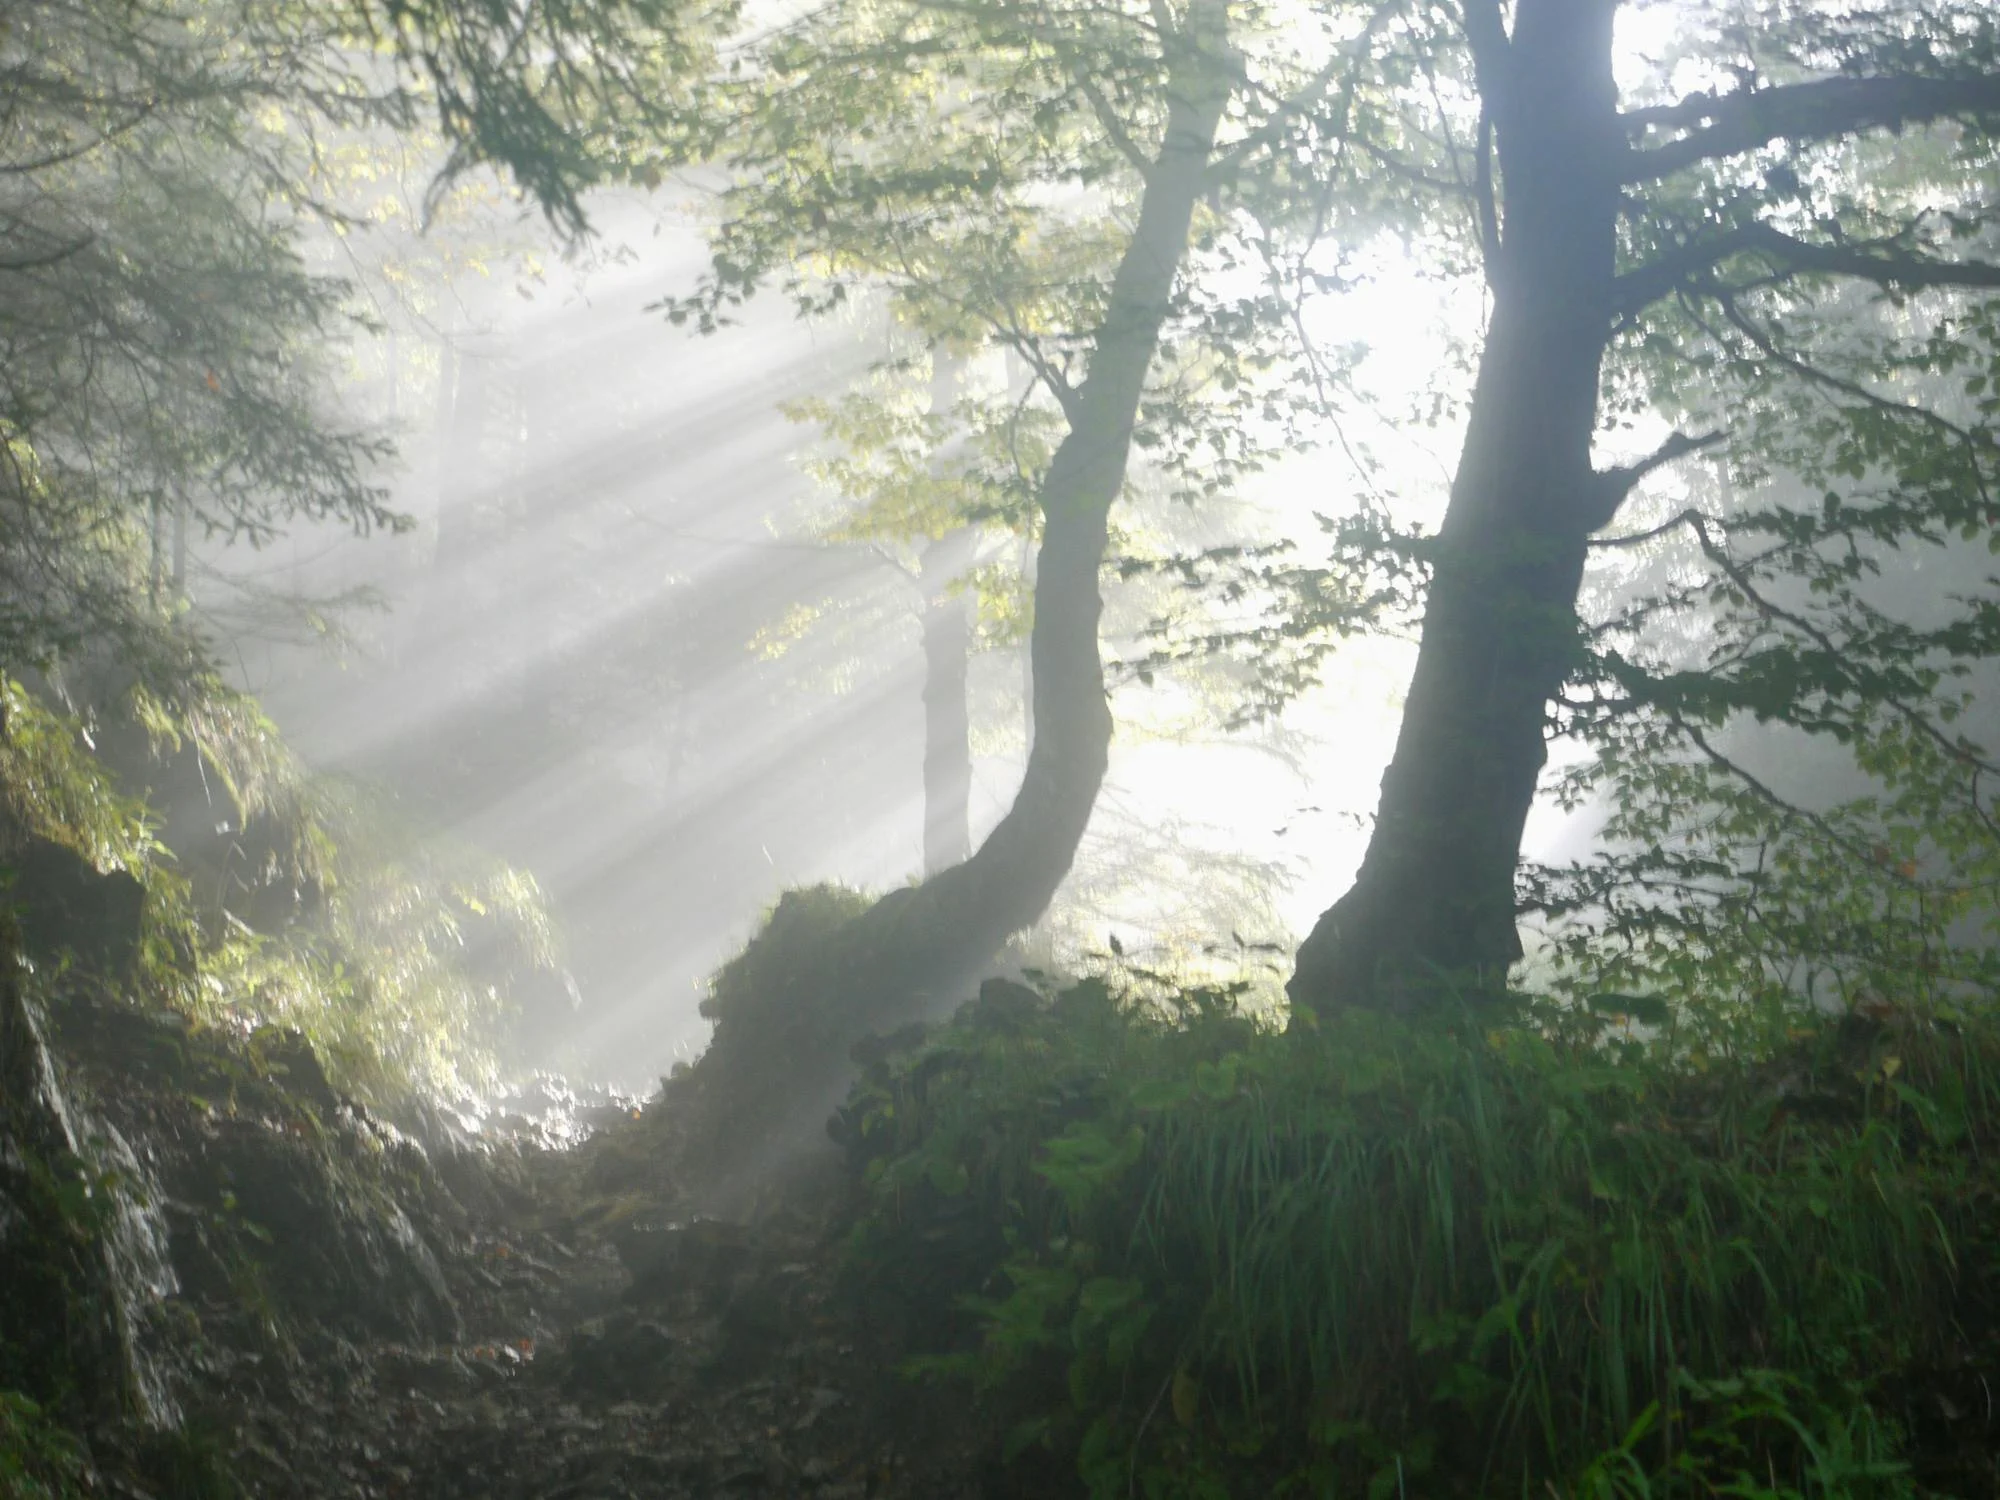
{"x":1697,"y":239}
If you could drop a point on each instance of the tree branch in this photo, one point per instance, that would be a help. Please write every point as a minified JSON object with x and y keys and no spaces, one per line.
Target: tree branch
{"x":1609,"y":487}
{"x":1638,"y":289}
{"x":1107,"y":117}
{"x":36,"y":260}
{"x":1729,"y":124}
{"x":1969,"y":438}
{"x":1486,"y":34}
{"x":1482,"y":188}
{"x":1650,"y":534}
{"x":1869,"y":263}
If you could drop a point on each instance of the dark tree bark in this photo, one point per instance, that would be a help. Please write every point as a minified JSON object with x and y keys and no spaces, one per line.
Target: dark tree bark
{"x":1432,"y":911}
{"x":1435,"y":894}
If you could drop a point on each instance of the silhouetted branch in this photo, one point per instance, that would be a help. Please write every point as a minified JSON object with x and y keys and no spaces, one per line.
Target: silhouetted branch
{"x":1730,"y":124}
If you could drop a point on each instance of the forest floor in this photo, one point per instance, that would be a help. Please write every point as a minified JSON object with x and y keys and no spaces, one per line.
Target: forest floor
{"x":509,"y":1316}
{"x":195,"y":1217}
{"x":745,"y":1367}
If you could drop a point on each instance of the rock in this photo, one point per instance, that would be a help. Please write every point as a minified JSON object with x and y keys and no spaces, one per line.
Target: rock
{"x":82,"y":1247}
{"x":288,"y":1058}
{"x":335,"y":1244}
{"x":277,"y":1188}
{"x":431,"y":1373}
{"x":622,"y":1360}
{"x":667,"y":1255}
{"x":67,"y":907}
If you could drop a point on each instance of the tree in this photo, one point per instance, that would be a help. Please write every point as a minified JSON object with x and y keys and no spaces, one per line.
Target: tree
{"x":920,"y":146}
{"x":1176,"y":82}
{"x":161,"y":169}
{"x":1609,"y":232}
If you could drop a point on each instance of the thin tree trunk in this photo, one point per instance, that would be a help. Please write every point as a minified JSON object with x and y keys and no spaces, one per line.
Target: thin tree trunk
{"x":957,"y":919}
{"x":778,"y":1061}
{"x":947,"y":637}
{"x":1433,"y":907}
{"x":947,"y":632}
{"x":180,"y":543}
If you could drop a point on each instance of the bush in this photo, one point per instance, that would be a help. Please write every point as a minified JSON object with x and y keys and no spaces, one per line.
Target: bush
{"x":38,"y":1459}
{"x":1496,"y":1255}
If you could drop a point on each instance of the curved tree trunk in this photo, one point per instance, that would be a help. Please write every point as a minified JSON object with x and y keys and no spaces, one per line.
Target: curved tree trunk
{"x":947,"y":633}
{"x":1433,"y":907}
{"x":778,"y":1060}
{"x":933,"y":935}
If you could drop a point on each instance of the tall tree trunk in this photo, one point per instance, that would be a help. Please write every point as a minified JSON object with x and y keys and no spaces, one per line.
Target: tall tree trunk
{"x":947,"y":632}
{"x":947,"y":637}
{"x":1433,"y":906}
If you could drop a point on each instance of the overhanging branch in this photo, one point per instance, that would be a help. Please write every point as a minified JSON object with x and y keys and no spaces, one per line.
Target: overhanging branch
{"x":1729,"y":124}
{"x":1687,"y":265}
{"x":1871,"y":263}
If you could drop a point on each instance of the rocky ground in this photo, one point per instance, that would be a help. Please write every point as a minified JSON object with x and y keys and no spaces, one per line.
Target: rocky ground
{"x":358,"y":1310}
{"x":740,"y":1366}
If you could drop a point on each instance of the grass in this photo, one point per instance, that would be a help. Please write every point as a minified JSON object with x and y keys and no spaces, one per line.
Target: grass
{"x":39,"y":1459}
{"x":1480,"y":1255}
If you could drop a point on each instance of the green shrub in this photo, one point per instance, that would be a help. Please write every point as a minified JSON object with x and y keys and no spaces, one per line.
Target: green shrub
{"x":393,"y":955}
{"x":1495,"y":1256}
{"x":38,"y":1459}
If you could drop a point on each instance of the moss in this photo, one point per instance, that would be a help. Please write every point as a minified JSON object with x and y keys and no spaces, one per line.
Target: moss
{"x":54,"y":1341}
{"x":781,"y":971}
{"x":39,"y":1459}
{"x":190,"y":1463}
{"x":786,"y":1011}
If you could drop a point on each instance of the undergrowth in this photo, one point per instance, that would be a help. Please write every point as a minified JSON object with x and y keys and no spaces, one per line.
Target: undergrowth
{"x":1547,"y":1252}
{"x":39,"y":1459}
{"x":305,"y":908}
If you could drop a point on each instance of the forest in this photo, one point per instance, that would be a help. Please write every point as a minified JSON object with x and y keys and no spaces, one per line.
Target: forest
{"x":871,"y":749}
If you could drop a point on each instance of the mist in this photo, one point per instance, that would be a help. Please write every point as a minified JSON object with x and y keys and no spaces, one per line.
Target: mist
{"x":1043,"y":750}
{"x":616,"y":651}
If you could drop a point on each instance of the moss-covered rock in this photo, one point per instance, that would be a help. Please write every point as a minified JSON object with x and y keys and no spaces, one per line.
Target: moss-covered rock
{"x":71,"y":1272}
{"x":278,"y":1188}
{"x":70,"y":911}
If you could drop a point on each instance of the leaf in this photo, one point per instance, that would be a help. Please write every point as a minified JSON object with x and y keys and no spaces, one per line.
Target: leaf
{"x":1647,"y":1010}
{"x":947,"y":1177}
{"x":1186,"y":1398}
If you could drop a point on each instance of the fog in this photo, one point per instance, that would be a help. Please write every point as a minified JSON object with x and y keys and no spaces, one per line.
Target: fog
{"x":616,"y":651}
